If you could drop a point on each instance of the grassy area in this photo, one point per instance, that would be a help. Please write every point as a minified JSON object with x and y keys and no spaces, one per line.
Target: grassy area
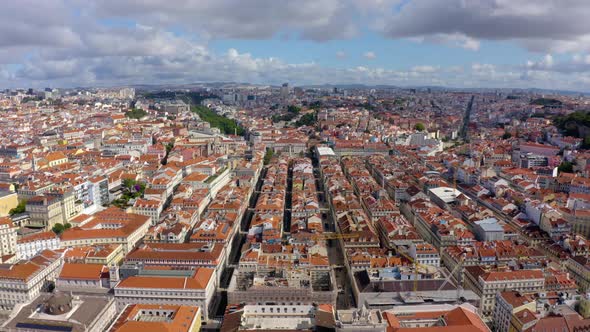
{"x":226,"y":125}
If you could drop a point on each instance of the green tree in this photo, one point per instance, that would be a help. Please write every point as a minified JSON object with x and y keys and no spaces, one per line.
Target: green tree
{"x":419,"y":126}
{"x":546,"y":102}
{"x":20,"y":208}
{"x":226,"y":125}
{"x":169,"y":147}
{"x":128,"y":183}
{"x":316,"y":105}
{"x":136,"y":113}
{"x":506,"y":135}
{"x":293,"y":109}
{"x":268,"y":156}
{"x":572,"y":122}
{"x":58,"y":228}
{"x":566,"y":167}
{"x":307,"y":119}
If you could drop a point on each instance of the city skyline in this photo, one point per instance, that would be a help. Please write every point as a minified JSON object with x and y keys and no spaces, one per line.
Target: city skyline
{"x":460,"y":44}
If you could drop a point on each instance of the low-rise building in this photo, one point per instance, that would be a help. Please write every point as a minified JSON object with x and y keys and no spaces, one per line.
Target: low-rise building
{"x":197,"y":290}
{"x":30,"y":245}
{"x":152,"y":317}
{"x":279,"y":317}
{"x":63,"y":312}
{"x":23,"y":281}
{"x":79,"y":277}
{"x":434,"y":318}
{"x":104,"y":254}
{"x":488,"y":230}
{"x":151,"y":208}
{"x":424,"y":254}
{"x":110,"y":226}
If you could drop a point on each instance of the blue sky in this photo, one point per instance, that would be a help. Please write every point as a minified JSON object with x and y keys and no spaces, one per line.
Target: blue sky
{"x":476,"y":43}
{"x":394,"y":54}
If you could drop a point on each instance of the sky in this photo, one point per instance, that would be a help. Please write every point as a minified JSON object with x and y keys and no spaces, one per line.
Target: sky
{"x":452,"y":43}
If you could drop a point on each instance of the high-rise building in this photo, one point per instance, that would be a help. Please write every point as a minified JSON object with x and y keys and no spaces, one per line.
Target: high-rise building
{"x":285,"y":90}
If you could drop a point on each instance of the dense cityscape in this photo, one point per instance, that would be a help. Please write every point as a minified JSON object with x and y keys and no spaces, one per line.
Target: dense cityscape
{"x":238,"y":207}
{"x":294,"y":166}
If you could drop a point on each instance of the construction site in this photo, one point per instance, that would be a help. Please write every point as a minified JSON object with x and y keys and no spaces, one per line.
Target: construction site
{"x":283,"y":286}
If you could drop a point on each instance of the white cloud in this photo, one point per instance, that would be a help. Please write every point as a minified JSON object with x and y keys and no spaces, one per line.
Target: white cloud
{"x":258,"y":19}
{"x":539,"y":25}
{"x":455,"y":39}
{"x":370,"y":55}
{"x":545,"y":64}
{"x":425,"y":69}
{"x":65,"y":42}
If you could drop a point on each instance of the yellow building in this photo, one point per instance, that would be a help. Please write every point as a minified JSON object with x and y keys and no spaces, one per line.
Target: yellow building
{"x":508,"y":314}
{"x":110,"y":254}
{"x":52,"y":159}
{"x":8,"y":201}
{"x":579,"y":268}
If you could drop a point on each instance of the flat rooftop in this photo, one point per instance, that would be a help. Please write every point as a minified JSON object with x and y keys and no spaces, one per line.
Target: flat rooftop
{"x":84,"y":311}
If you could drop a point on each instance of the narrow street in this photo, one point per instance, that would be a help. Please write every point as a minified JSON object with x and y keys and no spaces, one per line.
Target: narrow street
{"x":236,"y":248}
{"x":335,"y":251}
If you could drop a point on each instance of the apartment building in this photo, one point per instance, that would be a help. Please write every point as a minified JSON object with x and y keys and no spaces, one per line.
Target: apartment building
{"x":149,"y":207}
{"x":7,"y":237}
{"x":23,"y":281}
{"x":44,"y":211}
{"x":30,"y":245}
{"x":98,"y":191}
{"x":180,"y":255}
{"x":507,"y":305}
{"x":424,"y":254}
{"x":579,"y":267}
{"x":486,"y":283}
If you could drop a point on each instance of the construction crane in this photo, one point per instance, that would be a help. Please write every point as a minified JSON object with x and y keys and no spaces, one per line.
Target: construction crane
{"x":427,"y":268}
{"x":416,"y":265}
{"x":459,"y":266}
{"x":448,"y":278}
